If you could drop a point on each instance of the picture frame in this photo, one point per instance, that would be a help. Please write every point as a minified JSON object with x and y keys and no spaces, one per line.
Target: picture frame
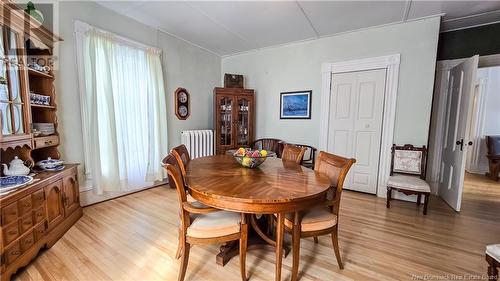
{"x":295,"y":105}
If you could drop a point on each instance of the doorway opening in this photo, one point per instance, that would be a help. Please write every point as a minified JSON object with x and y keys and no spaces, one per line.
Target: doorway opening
{"x":483,"y":156}
{"x":466,"y":114}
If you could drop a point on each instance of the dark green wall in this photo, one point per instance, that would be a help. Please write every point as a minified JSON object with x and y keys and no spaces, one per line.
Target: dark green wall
{"x":483,"y":40}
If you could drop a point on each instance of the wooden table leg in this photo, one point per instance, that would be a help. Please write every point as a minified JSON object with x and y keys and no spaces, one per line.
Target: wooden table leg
{"x":279,"y":245}
{"x":257,"y":239}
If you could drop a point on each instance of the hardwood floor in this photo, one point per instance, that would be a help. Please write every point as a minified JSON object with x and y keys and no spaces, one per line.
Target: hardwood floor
{"x":135,"y":238}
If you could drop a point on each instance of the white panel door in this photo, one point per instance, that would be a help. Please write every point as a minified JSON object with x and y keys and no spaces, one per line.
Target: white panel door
{"x":458,"y":105}
{"x":355,"y":124}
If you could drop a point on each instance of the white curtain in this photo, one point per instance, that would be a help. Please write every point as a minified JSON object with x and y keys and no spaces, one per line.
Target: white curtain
{"x":123,"y":111}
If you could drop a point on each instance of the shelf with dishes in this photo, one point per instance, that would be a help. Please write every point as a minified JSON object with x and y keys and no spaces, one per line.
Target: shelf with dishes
{"x":39,"y":73}
{"x":40,"y":101}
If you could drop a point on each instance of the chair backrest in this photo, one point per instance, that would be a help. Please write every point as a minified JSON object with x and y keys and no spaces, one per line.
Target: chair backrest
{"x":182,"y":155}
{"x":493,"y":145}
{"x":309,"y":157}
{"x":268,"y":144}
{"x":336,"y":168}
{"x":170,"y":160}
{"x":409,"y":159}
{"x":293,"y":153}
{"x":174,"y":173}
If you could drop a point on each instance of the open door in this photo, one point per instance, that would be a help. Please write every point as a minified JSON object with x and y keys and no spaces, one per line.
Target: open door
{"x":460,"y":88}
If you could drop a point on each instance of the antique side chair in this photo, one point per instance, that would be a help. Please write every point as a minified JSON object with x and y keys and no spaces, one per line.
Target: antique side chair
{"x":293,"y":153}
{"x":206,"y":225}
{"x":493,"y":259}
{"x":408,"y":166}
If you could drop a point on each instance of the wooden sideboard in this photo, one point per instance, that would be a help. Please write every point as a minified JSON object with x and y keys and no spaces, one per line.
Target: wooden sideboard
{"x":36,"y":216}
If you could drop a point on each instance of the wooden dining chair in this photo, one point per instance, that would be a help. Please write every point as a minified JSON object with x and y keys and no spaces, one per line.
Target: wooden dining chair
{"x":321,"y":220}
{"x":172,"y":160}
{"x":206,"y":225}
{"x":309,"y":158}
{"x":268,"y":144}
{"x":293,"y":153}
{"x":182,"y":155}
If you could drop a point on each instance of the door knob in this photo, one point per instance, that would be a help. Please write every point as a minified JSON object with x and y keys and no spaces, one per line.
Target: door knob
{"x":470,"y":143}
{"x":461,"y":143}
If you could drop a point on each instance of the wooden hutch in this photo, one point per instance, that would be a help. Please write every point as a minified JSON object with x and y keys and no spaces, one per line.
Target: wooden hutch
{"x":234,"y":117}
{"x":37,"y":215}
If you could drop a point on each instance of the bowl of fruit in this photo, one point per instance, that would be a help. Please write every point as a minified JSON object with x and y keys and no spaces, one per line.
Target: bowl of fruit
{"x":250,"y":158}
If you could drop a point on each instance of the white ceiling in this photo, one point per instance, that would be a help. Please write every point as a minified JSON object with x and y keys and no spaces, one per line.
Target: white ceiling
{"x":229,"y":27}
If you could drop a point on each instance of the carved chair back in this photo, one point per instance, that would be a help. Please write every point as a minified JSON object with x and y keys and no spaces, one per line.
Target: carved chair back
{"x":409,"y":159}
{"x":293,"y":153}
{"x":336,"y":168}
{"x":268,"y":144}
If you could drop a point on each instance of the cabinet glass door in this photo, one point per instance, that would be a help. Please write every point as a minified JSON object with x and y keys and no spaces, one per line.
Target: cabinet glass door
{"x":225,"y":107}
{"x":11,"y":102}
{"x":243,"y":121}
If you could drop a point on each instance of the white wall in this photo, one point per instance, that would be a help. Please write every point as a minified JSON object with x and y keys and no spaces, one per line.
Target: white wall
{"x":184,"y":65}
{"x":298,"y":67}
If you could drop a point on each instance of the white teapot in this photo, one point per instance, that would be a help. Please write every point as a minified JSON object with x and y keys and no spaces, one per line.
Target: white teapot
{"x":16,"y":168}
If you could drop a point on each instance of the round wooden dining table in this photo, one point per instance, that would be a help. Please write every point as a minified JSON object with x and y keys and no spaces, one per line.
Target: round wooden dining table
{"x":275,"y":187}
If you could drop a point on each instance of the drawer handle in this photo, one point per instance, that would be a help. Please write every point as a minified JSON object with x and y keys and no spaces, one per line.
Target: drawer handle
{"x":12,"y":232}
{"x":13,"y":213}
{"x":15,"y":253}
{"x":27,"y":222}
{"x":48,"y":142}
{"x":39,"y":214}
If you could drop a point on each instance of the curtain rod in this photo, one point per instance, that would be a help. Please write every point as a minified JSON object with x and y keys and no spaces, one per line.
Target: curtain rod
{"x":83,"y":28}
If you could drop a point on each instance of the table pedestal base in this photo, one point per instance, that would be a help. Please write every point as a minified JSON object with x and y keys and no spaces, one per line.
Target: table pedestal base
{"x":257,"y":239}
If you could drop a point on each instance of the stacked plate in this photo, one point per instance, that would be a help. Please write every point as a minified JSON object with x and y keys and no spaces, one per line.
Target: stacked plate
{"x":45,"y":129}
{"x":11,"y":183}
{"x":51,"y":164}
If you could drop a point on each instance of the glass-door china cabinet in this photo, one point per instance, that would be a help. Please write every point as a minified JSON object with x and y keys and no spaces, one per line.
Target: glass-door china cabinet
{"x":234,"y":111}
{"x":14,"y":111}
{"x":28,"y":112}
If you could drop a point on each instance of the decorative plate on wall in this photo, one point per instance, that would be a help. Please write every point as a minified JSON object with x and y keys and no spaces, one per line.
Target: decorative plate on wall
{"x":182,"y":102}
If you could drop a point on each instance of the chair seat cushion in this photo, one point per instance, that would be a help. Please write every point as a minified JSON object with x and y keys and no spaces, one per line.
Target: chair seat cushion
{"x":214,"y":224}
{"x":493,"y":251}
{"x":318,"y":218}
{"x":408,"y":182}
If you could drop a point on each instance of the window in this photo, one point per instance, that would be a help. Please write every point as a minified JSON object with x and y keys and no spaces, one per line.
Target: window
{"x":123,"y":110}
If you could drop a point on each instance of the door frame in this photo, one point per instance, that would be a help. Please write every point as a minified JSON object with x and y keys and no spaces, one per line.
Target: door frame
{"x":391,"y":64}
